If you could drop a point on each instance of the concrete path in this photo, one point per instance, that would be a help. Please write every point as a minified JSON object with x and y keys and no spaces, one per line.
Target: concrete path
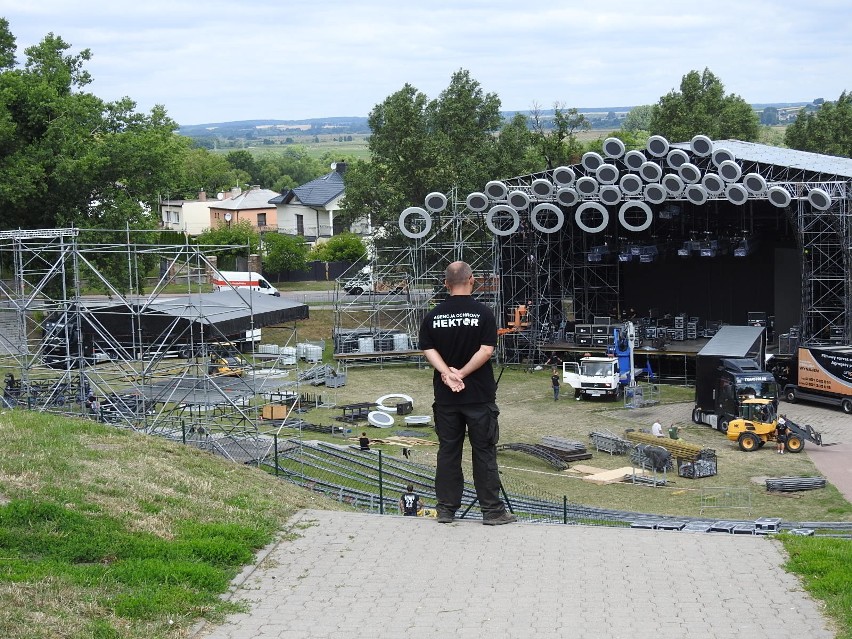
{"x":351,"y":575}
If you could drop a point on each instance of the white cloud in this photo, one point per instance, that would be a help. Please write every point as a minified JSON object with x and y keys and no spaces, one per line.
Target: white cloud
{"x":216,"y":61}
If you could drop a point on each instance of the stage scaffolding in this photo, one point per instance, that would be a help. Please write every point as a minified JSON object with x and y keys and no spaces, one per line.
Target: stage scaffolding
{"x":553,"y":240}
{"x":55,"y":282}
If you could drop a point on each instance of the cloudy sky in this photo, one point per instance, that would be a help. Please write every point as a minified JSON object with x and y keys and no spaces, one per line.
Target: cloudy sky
{"x":218,"y":61}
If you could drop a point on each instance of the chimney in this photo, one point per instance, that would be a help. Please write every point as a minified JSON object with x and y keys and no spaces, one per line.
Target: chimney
{"x":235,"y":191}
{"x":339,"y":167}
{"x":202,"y":196}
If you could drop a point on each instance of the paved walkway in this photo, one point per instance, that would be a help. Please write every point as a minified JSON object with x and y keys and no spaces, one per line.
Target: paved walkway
{"x":350,"y":575}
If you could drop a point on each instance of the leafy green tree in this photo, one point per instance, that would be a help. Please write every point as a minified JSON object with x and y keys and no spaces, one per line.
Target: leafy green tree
{"x":244,"y":161}
{"x":556,"y":138}
{"x":284,"y":252}
{"x":240,"y":239}
{"x":638,"y":118}
{"x":418,"y":146}
{"x":69,"y":158}
{"x":202,"y":170}
{"x":828,"y":130}
{"x":7,"y":46}
{"x":514,"y":153}
{"x":701,"y":107}
{"x":344,"y":247}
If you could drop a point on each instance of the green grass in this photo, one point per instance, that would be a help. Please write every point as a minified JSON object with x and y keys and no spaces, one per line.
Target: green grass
{"x":825,"y":567}
{"x":108,"y":533}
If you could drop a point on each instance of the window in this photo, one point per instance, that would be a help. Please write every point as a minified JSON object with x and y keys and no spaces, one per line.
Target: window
{"x":300,"y":224}
{"x":261,"y":219}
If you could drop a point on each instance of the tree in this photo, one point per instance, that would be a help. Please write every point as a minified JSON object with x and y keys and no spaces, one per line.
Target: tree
{"x":701,"y":107}
{"x":284,"y":252}
{"x":236,"y":240}
{"x":68,"y":158}
{"x":828,"y":130}
{"x":344,"y":247}
{"x":557,"y":143}
{"x":638,"y":119}
{"x":418,"y":146}
{"x":244,"y":161}
{"x":769,"y":116}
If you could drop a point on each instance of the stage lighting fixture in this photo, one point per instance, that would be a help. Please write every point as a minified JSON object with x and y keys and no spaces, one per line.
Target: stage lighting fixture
{"x":648,"y":254}
{"x":685,"y":250}
{"x":669,"y":211}
{"x":713,"y":248}
{"x":598,"y":253}
{"x":745,"y":247}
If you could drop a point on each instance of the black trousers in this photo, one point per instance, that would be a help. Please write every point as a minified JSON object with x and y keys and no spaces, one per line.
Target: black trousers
{"x":481,"y":424}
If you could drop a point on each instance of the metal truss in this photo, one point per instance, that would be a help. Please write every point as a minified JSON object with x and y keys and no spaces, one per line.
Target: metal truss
{"x":53,"y":282}
{"x":556,"y":232}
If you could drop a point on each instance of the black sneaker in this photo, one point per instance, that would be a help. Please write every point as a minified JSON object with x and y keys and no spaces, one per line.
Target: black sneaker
{"x":446,"y":518}
{"x":499,"y":520}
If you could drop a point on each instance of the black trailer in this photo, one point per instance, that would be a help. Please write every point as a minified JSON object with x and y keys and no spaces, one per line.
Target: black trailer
{"x":728,"y":370}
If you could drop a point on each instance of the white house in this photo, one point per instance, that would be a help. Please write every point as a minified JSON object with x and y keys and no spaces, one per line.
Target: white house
{"x":309,"y":209}
{"x":188,"y":216}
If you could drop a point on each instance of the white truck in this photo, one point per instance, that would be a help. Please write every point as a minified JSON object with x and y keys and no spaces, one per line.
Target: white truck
{"x":224,"y":280}
{"x":594,"y":377}
{"x":367,"y":283}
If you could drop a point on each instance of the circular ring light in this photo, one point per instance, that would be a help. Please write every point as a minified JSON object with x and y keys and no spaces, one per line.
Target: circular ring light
{"x":713,"y":183}
{"x":779,"y":196}
{"x":689,"y":173}
{"x":677,"y":158}
{"x":631,"y":184}
{"x":427,"y":222}
{"x":730,"y":171}
{"x":721,"y":155}
{"x":549,"y":209}
{"x":587,"y":186}
{"x":607,"y":174}
{"x":655,"y":193}
{"x":380,"y":402}
{"x":496,"y":190}
{"x":591,"y":161}
{"x":634,"y":204}
{"x":657,"y":146}
{"x":477,"y":201}
{"x":500,"y":209}
{"x":542,"y":187}
{"x":736,"y":194}
{"x":696,"y":193}
{"x":417,"y":419}
{"x":673,"y":184}
{"x":819,"y":199}
{"x":380,"y":419}
{"x":435,"y":202}
{"x":701,"y":145}
{"x":754,"y":183}
{"x":613,"y":148}
{"x":563,"y":176}
{"x":518,"y":200}
{"x":651,"y":171}
{"x":634,"y":160}
{"x":567,"y":196}
{"x":610,"y":194}
{"x":600,"y":208}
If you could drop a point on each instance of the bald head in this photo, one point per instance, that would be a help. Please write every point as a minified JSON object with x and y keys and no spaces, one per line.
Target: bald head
{"x":457,"y":274}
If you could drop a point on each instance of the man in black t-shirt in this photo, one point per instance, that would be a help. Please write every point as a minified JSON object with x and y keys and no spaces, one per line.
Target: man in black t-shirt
{"x":409,"y":502}
{"x":458,"y":338}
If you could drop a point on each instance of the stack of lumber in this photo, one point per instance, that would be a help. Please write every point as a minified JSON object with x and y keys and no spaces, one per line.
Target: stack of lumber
{"x":677,"y":447}
{"x":603,"y":476}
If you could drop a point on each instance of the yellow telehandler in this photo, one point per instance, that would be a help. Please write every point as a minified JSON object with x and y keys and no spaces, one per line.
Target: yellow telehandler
{"x":756,"y":425}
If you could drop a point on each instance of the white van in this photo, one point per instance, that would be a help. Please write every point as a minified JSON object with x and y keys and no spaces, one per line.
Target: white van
{"x":223,"y":280}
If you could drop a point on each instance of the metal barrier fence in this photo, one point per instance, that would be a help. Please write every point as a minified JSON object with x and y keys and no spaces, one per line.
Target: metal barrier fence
{"x":373,"y":482}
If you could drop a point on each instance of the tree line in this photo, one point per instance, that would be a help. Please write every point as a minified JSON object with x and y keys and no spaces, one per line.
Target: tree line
{"x":69,"y":158}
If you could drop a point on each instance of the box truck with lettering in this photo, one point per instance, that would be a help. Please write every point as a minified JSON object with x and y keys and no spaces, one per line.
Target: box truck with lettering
{"x":820,"y":374}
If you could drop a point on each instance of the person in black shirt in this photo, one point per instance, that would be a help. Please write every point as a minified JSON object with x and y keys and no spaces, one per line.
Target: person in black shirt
{"x":409,"y":502}
{"x":554,"y":382}
{"x":458,"y":338}
{"x":364,"y":442}
{"x":782,"y":431}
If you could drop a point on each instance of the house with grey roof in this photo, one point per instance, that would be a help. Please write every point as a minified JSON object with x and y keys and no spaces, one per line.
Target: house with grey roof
{"x":309,"y":209}
{"x":252,"y":205}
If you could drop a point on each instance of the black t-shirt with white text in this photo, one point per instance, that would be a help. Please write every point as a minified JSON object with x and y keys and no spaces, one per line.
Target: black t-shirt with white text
{"x":456,"y":328}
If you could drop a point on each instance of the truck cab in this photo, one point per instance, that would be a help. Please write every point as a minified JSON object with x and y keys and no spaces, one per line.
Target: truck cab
{"x":722,"y":394}
{"x":594,"y":377}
